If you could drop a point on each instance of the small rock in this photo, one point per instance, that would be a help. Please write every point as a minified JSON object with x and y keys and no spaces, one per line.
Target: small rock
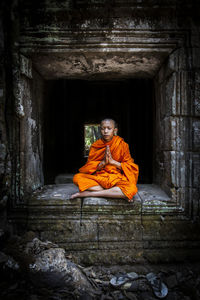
{"x":36,"y":246}
{"x":52,"y":269}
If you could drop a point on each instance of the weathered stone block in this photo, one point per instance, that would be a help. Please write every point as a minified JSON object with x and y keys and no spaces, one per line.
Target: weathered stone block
{"x":110,"y":257}
{"x":156,"y":201}
{"x":30,"y":96}
{"x":170,"y":104}
{"x":55,"y":194}
{"x":175,"y":165}
{"x":177,"y":61}
{"x":193,"y":202}
{"x":26,"y":66}
{"x":195,"y":56}
{"x":3,"y":151}
{"x":117,"y":245}
{"x":68,"y":230}
{"x":196,"y":169}
{"x":111,"y":206}
{"x":120,"y":230}
{"x":80,"y":246}
{"x":171,"y":254}
{"x":196,"y":96}
{"x":174,"y":95}
{"x":179,"y":196}
{"x":176,"y":134}
{"x":71,"y":231}
{"x":169,"y":228}
{"x":196,"y":135}
{"x":189,"y":170}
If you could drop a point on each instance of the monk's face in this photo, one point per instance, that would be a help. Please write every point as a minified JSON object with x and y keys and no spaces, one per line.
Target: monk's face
{"x":108,"y":130}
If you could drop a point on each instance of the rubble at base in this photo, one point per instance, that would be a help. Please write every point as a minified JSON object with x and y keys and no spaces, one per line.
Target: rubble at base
{"x":35,"y":270}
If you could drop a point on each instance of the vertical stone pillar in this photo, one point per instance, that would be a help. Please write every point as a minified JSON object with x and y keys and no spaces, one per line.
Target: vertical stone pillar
{"x":177,"y":130}
{"x":5,"y":170}
{"x":23,"y":116}
{"x":11,"y":68}
{"x":31,"y":141}
{"x":193,"y":156}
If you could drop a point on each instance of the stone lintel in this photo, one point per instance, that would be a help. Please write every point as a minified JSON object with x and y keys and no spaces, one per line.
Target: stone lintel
{"x":101,"y":63}
{"x":68,"y":53}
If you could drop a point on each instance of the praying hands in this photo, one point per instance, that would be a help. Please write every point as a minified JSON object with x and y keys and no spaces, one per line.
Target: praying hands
{"x":108,"y":159}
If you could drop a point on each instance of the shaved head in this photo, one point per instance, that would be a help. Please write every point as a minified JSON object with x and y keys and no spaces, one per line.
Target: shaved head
{"x":110,"y":120}
{"x":108,"y":129}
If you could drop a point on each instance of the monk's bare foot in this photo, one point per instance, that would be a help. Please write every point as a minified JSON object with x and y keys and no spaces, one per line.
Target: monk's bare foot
{"x":81,"y":194}
{"x":73,"y":196}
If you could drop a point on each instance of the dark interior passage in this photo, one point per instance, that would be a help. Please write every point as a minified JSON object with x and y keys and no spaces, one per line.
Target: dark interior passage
{"x":69,"y":104}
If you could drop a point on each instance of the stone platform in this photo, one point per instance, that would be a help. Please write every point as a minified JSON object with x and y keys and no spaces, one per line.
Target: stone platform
{"x":110,"y":231}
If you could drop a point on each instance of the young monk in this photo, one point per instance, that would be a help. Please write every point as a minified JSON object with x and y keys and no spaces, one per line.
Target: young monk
{"x":110,"y":171}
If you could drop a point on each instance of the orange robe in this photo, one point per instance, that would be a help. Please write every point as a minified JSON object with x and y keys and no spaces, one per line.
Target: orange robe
{"x":110,"y":175}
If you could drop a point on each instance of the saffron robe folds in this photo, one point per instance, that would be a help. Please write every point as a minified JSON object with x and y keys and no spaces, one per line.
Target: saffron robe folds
{"x":109,"y":176}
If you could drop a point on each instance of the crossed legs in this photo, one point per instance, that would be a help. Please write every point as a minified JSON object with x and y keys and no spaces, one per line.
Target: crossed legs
{"x":98,"y":191}
{"x":92,"y":188}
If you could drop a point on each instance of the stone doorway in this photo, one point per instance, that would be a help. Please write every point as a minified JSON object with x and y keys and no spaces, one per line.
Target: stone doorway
{"x":163,"y":78}
{"x":70,"y":104}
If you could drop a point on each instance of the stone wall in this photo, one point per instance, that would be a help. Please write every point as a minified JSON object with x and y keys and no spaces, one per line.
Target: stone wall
{"x":102,"y":39}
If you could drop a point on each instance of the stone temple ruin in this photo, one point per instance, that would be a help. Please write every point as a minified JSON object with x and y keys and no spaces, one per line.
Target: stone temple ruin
{"x":73,"y":62}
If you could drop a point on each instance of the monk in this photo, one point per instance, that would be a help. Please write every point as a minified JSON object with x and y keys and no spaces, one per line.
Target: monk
{"x":110,"y":170}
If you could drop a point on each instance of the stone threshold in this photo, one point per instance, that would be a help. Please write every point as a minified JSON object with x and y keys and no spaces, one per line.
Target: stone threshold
{"x":150,"y":199}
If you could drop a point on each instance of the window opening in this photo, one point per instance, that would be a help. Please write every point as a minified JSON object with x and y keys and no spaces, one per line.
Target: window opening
{"x":92,"y":133}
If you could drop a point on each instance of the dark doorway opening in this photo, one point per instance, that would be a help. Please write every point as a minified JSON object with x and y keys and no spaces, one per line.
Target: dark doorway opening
{"x":69,"y":104}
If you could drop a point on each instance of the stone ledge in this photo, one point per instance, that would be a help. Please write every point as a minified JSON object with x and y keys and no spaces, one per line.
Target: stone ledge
{"x":56,"y":198}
